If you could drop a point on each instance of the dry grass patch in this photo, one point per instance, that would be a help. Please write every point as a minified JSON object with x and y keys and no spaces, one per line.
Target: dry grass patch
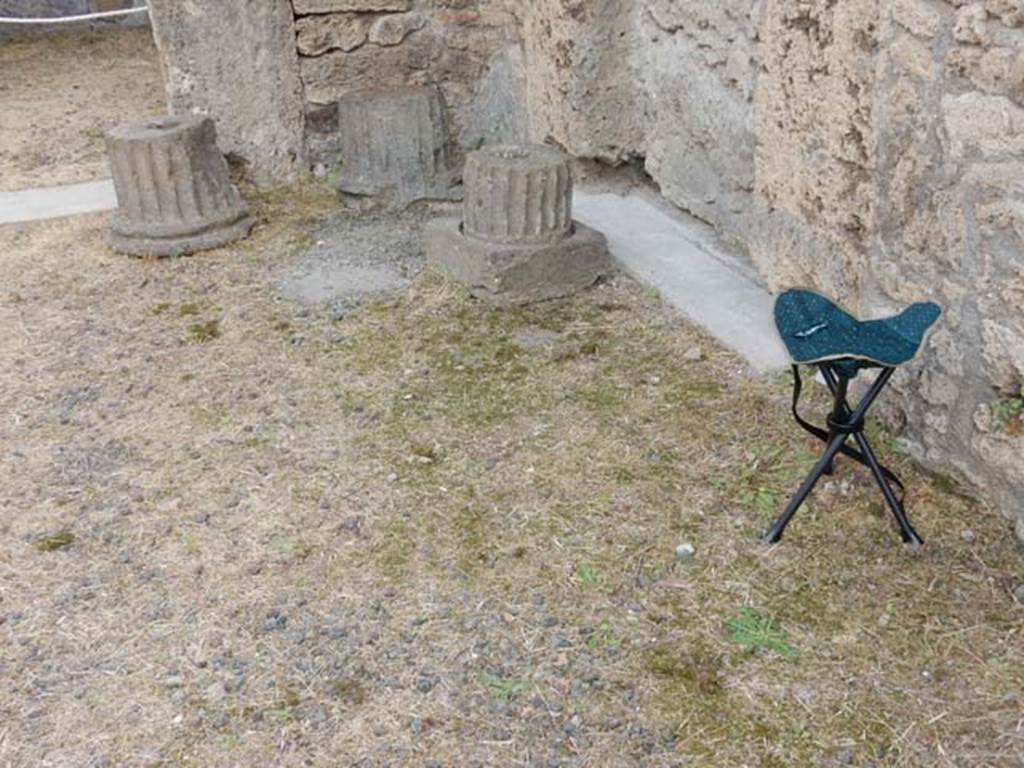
{"x":60,"y":94}
{"x":434,"y":533}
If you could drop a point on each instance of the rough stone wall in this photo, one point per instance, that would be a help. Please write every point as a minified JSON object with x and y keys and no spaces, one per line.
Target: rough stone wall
{"x":235,"y":60}
{"x":467,"y":47}
{"x":697,"y":67}
{"x":950,"y":114}
{"x":870,"y":149}
{"x":816,"y":156}
{"x":581,"y":85}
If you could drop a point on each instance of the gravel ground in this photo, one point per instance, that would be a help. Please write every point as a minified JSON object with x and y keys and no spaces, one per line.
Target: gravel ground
{"x":60,"y":93}
{"x":240,"y":530}
{"x":351,"y":260}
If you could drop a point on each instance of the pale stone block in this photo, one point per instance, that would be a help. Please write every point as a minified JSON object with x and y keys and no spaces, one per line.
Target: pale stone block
{"x":393,"y":29}
{"x":316,"y":35}
{"x":340,"y":6}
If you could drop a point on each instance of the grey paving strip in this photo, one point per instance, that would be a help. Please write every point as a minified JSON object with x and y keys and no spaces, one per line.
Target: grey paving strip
{"x":56,"y":202}
{"x":677,"y":255}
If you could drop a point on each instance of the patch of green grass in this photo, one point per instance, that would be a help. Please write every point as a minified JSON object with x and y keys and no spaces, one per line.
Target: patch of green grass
{"x":1007,"y":411}
{"x":202,"y":333}
{"x":54,"y":541}
{"x":604,"y":396}
{"x":504,"y":689}
{"x":189,"y":309}
{"x":622,"y":474}
{"x":685,"y":391}
{"x":951,"y":486}
{"x":698,"y":672}
{"x":604,"y":636}
{"x":760,"y":633}
{"x":764,"y":500}
{"x":469,"y":527}
{"x":588,"y":576}
{"x":884,"y":440}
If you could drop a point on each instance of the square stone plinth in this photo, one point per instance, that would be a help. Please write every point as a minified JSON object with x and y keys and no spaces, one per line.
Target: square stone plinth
{"x":507,"y":275}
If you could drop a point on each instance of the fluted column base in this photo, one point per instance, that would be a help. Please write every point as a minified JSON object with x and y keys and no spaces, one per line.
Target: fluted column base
{"x":518,"y":195}
{"x":395,"y":142}
{"x":173,"y":191}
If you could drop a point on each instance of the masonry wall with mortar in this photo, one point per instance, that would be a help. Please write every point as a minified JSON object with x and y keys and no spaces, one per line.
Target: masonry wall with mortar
{"x":467,"y":47}
{"x":870,"y":149}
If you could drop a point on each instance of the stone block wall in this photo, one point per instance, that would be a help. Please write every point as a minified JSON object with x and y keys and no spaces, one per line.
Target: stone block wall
{"x":469,"y":48}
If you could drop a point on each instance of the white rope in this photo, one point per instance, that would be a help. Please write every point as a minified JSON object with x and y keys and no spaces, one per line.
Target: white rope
{"x":66,"y":19}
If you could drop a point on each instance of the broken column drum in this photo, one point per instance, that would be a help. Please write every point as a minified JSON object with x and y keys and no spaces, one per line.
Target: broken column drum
{"x":517,"y":195}
{"x":395,"y":142}
{"x":517,"y":241}
{"x":174,"y":196}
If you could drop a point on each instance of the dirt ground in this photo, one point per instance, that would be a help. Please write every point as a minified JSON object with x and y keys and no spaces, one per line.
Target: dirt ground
{"x":237,"y":530}
{"x":59,"y":94}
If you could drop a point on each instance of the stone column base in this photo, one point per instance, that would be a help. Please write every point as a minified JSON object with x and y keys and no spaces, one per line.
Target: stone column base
{"x":182,"y":244}
{"x":508,"y":275}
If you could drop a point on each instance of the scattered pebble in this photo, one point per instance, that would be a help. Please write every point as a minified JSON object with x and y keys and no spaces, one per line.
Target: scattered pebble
{"x":967,"y":535}
{"x":685,"y":553}
{"x":425,"y":683}
{"x":693,"y":354}
{"x":845,"y":756}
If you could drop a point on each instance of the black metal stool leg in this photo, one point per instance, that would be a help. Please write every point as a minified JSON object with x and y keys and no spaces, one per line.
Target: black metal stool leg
{"x":774,"y":534}
{"x":906,"y":529}
{"x":843,"y":423}
{"x":840,"y":410}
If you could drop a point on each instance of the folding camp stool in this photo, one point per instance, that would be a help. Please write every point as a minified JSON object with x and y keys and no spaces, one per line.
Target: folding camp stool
{"x":819,"y":333}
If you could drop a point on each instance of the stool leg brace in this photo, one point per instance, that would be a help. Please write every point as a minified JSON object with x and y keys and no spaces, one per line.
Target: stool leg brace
{"x":844,"y":423}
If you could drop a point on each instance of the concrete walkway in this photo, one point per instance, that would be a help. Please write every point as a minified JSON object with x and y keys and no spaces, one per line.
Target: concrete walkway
{"x":656,"y":243}
{"x":56,"y":202}
{"x":680,"y":256}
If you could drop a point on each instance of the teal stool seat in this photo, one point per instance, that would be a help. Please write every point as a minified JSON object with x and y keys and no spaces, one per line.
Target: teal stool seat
{"x":818,"y":332}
